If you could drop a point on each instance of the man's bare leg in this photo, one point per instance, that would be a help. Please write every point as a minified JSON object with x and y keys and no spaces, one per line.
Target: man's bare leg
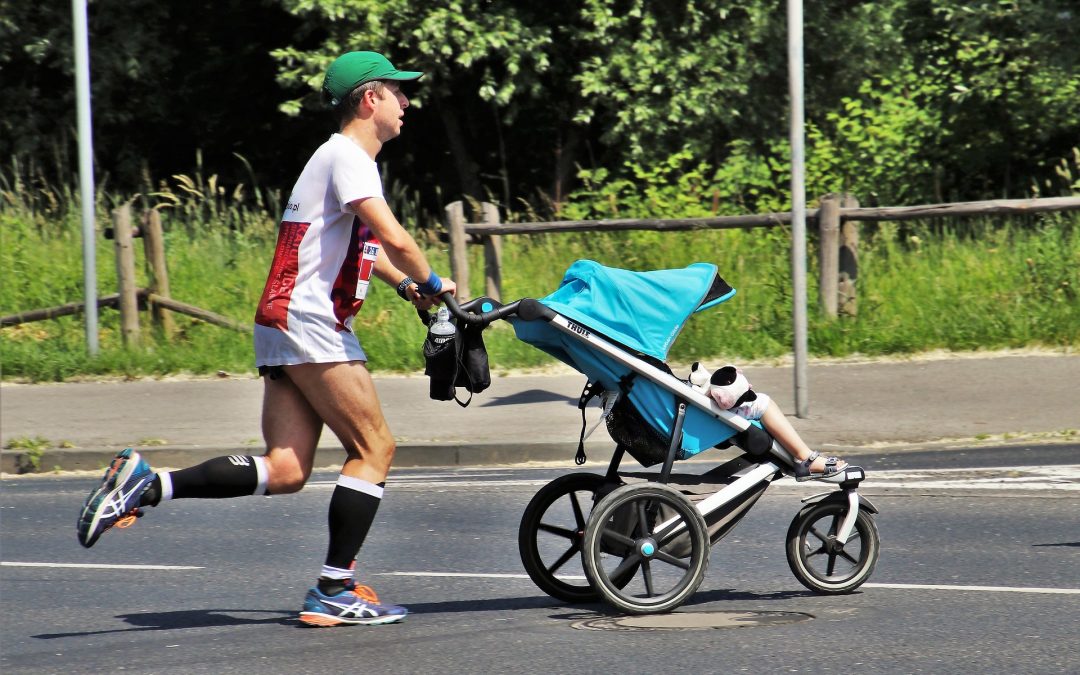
{"x":291,"y":429}
{"x":343,"y":396}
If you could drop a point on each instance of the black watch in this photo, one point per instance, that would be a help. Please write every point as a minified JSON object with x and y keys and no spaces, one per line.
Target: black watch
{"x":405,"y":283}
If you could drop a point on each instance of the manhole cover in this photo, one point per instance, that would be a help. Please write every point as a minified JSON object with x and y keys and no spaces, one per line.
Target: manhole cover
{"x":691,"y":621}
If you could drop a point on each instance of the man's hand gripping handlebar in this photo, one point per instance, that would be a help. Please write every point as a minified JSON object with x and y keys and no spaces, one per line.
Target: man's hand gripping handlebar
{"x":484,"y":311}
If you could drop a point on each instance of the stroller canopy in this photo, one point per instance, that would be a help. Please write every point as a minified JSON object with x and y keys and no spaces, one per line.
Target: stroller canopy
{"x":642,"y":310}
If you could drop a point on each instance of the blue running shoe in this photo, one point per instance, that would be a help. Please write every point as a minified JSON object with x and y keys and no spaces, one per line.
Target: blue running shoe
{"x":116,"y":501}
{"x":355,"y":605}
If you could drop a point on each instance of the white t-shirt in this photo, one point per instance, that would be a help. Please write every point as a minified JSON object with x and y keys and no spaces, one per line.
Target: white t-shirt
{"x":322,"y":264}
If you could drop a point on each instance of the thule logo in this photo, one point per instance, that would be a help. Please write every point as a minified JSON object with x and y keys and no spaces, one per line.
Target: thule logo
{"x":577,"y":329}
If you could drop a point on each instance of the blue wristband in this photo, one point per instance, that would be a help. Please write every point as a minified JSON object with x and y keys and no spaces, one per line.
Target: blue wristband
{"x":432,"y":286}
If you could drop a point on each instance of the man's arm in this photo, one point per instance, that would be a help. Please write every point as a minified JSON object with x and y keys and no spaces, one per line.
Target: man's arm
{"x":385,"y":270}
{"x":403,"y":256}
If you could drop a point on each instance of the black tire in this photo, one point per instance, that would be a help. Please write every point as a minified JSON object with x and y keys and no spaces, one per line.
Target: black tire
{"x":552,"y":529}
{"x":660,"y":582}
{"x":818,"y":561}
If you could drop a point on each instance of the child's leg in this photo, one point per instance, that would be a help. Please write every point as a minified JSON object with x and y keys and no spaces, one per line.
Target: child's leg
{"x":778,"y":426}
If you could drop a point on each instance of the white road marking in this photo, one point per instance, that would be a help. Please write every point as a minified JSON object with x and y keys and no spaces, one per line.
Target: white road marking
{"x":1051,"y":478}
{"x":400,"y":483}
{"x":919,"y":587}
{"x":470,"y":575}
{"x":985,"y":589}
{"x":100,"y":566}
{"x":1057,"y":478}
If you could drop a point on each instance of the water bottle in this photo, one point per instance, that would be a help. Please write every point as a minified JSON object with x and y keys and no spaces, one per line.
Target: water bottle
{"x":442,"y":331}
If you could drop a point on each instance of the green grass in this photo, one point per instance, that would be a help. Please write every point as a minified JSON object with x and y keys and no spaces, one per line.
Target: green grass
{"x":975,"y":285}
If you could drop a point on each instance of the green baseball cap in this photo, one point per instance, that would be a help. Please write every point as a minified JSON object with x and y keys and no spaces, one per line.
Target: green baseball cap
{"x":349,"y":71}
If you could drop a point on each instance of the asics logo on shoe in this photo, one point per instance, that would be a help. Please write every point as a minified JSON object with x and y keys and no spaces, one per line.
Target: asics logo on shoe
{"x":357,"y":609}
{"x":240,"y":460}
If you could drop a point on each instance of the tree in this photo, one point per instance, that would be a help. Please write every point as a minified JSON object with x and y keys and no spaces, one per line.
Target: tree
{"x":1009,"y":77}
{"x":480,"y":61}
{"x":167,"y":79}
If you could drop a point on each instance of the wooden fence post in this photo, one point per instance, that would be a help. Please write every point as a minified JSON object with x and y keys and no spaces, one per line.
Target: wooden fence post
{"x":849,"y":261}
{"x":828,"y":217}
{"x":154,"y":247}
{"x":489,"y":214}
{"x":459,"y":258}
{"x":125,"y":275}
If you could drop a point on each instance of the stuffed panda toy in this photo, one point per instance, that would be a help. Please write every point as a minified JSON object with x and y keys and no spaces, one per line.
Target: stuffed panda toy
{"x":727,"y":386}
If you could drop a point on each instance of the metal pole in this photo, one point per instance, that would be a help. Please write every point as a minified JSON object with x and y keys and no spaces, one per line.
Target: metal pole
{"x":86,"y":172}
{"x":798,"y":203}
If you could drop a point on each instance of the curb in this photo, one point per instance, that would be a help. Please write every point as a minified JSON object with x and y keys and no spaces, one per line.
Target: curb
{"x":14,"y":463}
{"x":408,"y":455}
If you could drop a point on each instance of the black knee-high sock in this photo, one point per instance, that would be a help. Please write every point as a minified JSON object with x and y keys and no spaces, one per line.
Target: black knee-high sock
{"x":352,"y":511}
{"x":218,"y":478}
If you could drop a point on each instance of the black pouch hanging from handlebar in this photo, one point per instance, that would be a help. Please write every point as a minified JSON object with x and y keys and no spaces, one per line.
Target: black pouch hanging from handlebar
{"x":459,"y":362}
{"x":474,"y":372}
{"x":441,"y":365}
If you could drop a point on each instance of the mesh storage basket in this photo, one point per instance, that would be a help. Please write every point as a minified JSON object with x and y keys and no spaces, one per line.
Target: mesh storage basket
{"x":630,"y":430}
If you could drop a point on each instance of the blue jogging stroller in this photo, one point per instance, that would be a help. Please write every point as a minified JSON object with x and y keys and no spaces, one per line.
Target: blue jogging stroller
{"x":643,"y":539}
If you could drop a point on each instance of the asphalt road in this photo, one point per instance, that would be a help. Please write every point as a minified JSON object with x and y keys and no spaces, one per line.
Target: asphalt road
{"x":979,"y":573}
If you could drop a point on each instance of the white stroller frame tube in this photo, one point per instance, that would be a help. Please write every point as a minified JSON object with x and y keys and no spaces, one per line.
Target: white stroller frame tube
{"x":729,"y":493}
{"x":848,"y":525}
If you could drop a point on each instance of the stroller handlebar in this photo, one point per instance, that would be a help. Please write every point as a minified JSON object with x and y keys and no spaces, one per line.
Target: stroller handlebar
{"x":484,"y":311}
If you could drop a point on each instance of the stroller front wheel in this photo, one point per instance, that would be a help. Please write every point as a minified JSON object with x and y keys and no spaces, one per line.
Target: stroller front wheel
{"x":819,"y":561}
{"x":636,"y":530}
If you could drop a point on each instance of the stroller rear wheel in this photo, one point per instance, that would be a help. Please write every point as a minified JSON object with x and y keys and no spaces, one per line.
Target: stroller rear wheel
{"x":615,"y":547}
{"x":819,"y":561}
{"x":552,"y":529}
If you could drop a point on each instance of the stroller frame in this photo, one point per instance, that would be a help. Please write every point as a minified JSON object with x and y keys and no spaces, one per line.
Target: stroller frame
{"x":634,"y":527}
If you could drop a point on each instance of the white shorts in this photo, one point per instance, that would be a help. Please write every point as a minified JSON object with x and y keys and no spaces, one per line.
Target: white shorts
{"x":310,"y":343}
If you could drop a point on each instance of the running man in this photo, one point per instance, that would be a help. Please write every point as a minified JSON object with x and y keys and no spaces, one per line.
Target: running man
{"x":337,"y":231}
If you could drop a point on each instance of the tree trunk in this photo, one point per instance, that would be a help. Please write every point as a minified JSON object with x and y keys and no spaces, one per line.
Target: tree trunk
{"x":468,"y":173}
{"x":565,"y":156}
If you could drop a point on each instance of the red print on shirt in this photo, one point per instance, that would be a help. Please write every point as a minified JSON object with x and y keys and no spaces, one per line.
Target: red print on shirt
{"x":350,"y":287}
{"x":273,"y":308}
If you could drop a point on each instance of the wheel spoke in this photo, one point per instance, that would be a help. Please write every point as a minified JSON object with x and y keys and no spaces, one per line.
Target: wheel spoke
{"x":570,"y":552}
{"x":579,"y":516}
{"x":646,"y":572}
{"x":814,"y":531}
{"x":626,"y":565}
{"x":672,"y":560}
{"x":847,"y":556}
{"x":830,"y":569}
{"x":643,"y":518}
{"x":613,"y":536}
{"x":556,"y":530}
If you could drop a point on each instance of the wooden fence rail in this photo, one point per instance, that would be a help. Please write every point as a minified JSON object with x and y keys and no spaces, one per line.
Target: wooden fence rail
{"x":837,"y":222}
{"x":129,"y":299}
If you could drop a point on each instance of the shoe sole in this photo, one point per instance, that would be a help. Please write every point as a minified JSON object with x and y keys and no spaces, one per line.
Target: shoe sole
{"x":325,"y":620}
{"x":118,"y":473}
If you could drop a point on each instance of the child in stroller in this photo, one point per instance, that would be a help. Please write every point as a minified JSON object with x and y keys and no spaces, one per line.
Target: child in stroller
{"x":732,"y":391}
